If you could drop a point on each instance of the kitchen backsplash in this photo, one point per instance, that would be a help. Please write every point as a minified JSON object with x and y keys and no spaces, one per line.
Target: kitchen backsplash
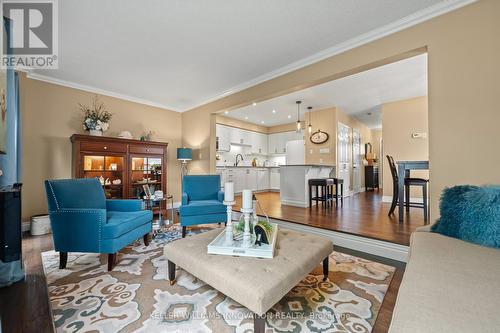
{"x":229,"y":158}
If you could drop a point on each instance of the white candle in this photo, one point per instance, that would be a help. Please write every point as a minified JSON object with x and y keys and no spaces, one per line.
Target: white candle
{"x":229,"y":192}
{"x":247,"y":199}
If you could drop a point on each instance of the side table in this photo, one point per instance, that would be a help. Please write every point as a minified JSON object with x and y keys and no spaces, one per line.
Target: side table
{"x":152,"y":202}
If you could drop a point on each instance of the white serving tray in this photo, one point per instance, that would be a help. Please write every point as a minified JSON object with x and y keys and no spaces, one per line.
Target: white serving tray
{"x":217,"y":246}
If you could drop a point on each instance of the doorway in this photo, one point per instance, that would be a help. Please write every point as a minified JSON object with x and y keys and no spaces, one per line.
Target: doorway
{"x":357,"y":162}
{"x":344,"y":153}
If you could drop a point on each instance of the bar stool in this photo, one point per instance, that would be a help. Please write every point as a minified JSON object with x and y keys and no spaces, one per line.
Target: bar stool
{"x":326,"y":185}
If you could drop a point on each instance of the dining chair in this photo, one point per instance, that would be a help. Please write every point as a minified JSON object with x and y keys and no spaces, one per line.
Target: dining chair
{"x":408,"y":182}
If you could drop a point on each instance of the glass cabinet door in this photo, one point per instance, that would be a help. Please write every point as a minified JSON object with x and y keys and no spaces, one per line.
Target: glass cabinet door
{"x":146,"y":174}
{"x":109,"y":170}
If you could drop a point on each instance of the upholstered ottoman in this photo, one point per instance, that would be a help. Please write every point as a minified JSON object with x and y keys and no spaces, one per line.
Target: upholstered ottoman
{"x":256,"y":283}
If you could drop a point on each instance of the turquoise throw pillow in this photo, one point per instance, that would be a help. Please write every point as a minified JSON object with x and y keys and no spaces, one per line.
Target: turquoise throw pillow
{"x":470,"y":213}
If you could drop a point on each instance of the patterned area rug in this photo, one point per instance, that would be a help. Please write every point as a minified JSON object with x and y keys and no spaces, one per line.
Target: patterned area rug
{"x":136,"y":296}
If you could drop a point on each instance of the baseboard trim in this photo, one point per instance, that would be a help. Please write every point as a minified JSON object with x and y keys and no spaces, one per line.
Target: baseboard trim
{"x":388,"y":199}
{"x":363,"y":244}
{"x":294,"y":203}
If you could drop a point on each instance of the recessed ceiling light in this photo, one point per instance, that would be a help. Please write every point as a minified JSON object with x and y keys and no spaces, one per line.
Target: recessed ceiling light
{"x":246,"y":117}
{"x":274,"y":111}
{"x":289,"y":116}
{"x":262,"y":122}
{"x":254,"y":104}
{"x":226,"y":112}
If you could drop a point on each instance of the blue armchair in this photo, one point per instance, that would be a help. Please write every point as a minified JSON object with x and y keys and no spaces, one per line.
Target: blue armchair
{"x":201,"y":201}
{"x":83,"y":220}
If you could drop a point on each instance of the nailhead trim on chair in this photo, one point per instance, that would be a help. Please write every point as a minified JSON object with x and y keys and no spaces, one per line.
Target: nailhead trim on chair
{"x":53,"y":194}
{"x":86,"y":211}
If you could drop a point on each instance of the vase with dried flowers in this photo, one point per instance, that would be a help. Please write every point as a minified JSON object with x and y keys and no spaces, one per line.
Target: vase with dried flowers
{"x":95,"y":117}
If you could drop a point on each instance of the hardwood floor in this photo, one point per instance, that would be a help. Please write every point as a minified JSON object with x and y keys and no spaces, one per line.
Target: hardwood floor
{"x":363,"y":214}
{"x":24,"y":306}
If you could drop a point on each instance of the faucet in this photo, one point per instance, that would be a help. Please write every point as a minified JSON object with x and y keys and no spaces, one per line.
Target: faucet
{"x":236,"y":164}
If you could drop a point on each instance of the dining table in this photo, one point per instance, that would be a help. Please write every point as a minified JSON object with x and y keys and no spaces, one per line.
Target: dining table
{"x":404,"y":168}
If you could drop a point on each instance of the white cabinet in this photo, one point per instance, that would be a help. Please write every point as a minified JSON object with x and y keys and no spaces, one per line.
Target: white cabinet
{"x":239,"y":136}
{"x":250,"y":179}
{"x":262,"y":179}
{"x":274,"y":179}
{"x":263,"y":144}
{"x":223,"y":137}
{"x":273,"y":143}
{"x":255,"y":179}
{"x":277,"y":141}
{"x":259,"y":143}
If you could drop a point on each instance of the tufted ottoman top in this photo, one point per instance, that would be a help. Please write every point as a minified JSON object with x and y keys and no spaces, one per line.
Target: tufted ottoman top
{"x":256,"y":283}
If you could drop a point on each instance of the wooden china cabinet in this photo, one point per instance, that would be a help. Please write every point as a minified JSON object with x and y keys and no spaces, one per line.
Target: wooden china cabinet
{"x":124,"y":166}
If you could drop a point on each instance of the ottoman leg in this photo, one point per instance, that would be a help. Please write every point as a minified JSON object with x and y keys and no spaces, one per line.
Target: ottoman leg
{"x":171,"y":272}
{"x":259,"y":323}
{"x":325,"y":268}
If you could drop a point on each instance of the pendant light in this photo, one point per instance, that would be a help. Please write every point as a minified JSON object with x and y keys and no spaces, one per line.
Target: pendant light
{"x":298,"y":116}
{"x":310,"y":128}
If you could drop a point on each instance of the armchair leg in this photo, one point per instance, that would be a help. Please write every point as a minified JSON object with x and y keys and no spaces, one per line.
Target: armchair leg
{"x":111,"y":261}
{"x":183,"y":231}
{"x":63,"y":259}
{"x":146,"y":239}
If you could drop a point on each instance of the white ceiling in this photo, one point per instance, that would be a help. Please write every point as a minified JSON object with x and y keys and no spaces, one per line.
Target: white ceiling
{"x":357,"y":95}
{"x":178,"y":54}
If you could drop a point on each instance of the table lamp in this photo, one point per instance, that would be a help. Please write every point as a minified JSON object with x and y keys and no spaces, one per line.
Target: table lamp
{"x":184,"y":155}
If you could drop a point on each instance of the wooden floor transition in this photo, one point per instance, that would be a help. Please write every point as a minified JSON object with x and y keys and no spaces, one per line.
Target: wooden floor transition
{"x":363,"y":214}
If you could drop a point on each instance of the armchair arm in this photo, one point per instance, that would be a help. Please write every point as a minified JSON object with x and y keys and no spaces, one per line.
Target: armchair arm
{"x":185,"y":198}
{"x":77,"y":230}
{"x":220,"y":196}
{"x":126,"y":205}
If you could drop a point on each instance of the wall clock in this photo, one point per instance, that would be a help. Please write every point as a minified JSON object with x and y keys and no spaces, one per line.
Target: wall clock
{"x":319,"y":137}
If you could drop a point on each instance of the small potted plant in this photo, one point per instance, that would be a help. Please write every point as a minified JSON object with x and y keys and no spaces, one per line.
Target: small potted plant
{"x":95,"y":117}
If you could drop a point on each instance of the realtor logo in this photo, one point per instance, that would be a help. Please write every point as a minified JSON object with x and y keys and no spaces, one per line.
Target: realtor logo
{"x":29,"y":37}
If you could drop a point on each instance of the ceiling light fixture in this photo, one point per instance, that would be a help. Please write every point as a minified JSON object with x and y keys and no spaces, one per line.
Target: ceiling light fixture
{"x":262,"y":121}
{"x":310,"y":128}
{"x":289,"y":116}
{"x":254,"y":104}
{"x":274,"y":111}
{"x":226,"y":112}
{"x":246,"y":117}
{"x":298,"y":116}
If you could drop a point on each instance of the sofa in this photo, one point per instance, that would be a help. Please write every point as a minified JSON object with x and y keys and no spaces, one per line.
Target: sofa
{"x":449,"y":285}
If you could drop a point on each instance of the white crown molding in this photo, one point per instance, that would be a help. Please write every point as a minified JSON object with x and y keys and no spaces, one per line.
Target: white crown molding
{"x":95,"y":90}
{"x":391,"y":28}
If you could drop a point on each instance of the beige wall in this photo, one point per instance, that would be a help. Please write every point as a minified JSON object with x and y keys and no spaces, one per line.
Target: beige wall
{"x":399,"y":120}
{"x":376,"y":142}
{"x":463,"y":48}
{"x":50,"y":116}
{"x":323,"y":120}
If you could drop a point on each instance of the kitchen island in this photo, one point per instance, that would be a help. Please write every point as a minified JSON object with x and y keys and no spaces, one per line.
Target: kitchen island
{"x":294,"y":188}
